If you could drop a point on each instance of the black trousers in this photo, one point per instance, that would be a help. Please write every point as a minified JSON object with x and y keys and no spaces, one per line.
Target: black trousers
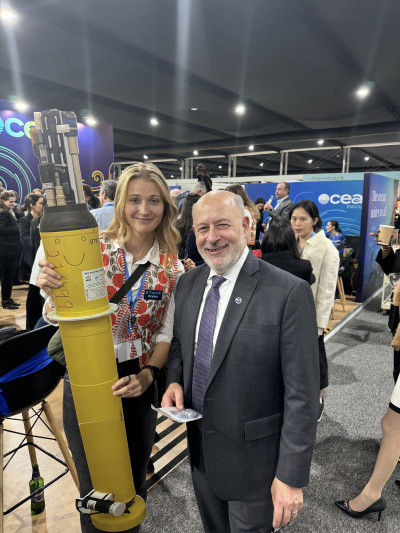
{"x":9,"y":268}
{"x":323,"y":364}
{"x":140,"y":423}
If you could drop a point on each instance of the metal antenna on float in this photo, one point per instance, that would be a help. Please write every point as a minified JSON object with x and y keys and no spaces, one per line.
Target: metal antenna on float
{"x":70,"y":239}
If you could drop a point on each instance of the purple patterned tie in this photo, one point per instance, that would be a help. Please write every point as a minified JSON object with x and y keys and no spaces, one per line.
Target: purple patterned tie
{"x":204,"y":350}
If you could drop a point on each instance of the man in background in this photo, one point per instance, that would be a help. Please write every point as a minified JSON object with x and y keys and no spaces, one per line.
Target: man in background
{"x":283,"y":204}
{"x":104,"y":214}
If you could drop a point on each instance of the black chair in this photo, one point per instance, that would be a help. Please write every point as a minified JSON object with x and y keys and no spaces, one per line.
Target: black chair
{"x":24,"y":393}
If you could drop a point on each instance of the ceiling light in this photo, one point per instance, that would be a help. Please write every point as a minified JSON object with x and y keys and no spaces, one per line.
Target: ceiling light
{"x":309,"y":161}
{"x":8,"y":16}
{"x":261,"y":164}
{"x":145,"y":156}
{"x":219,"y":166}
{"x":20,"y":105}
{"x":366,"y":158}
{"x":172,"y":175}
{"x":91,"y":121}
{"x":363,"y":91}
{"x":193,"y":109}
{"x":320,"y":142}
{"x":240,"y":109}
{"x":180,"y":168}
{"x":154,"y":121}
{"x":251,"y":147}
{"x":195,"y":152}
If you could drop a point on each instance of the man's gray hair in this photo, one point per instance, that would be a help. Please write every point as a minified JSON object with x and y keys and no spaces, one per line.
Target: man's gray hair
{"x":286,"y":186}
{"x":109,"y":187}
{"x":200,"y":186}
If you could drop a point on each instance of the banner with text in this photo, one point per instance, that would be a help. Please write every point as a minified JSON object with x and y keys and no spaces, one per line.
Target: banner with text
{"x":341,"y":201}
{"x":380,"y":194}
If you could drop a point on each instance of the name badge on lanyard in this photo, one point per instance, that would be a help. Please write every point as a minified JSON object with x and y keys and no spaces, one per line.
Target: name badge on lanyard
{"x":132,"y":302}
{"x":153,"y":295}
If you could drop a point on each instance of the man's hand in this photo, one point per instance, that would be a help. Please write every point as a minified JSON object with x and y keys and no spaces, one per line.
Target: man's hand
{"x":267,"y":206}
{"x":173,"y":397}
{"x":287,"y":501}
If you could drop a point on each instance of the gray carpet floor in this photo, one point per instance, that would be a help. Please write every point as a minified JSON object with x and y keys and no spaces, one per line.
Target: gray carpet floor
{"x":348,"y":438}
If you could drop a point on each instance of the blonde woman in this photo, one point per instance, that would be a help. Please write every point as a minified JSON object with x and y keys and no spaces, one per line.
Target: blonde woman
{"x":141,"y":230}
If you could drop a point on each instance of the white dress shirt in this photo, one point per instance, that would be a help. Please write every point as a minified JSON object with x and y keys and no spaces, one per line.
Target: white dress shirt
{"x":225,"y":293}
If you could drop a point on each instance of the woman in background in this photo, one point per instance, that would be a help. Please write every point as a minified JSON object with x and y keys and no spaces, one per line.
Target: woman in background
{"x":33,"y":204}
{"x":324,"y":258}
{"x":92,"y":201}
{"x":250,"y":211}
{"x":187,"y":244}
{"x":279,"y":248}
{"x":335,"y":234}
{"x":370,"y":498}
{"x":10,"y":248}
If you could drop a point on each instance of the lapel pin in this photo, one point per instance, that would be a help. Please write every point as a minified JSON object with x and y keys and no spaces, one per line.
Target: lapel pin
{"x":238,"y":300}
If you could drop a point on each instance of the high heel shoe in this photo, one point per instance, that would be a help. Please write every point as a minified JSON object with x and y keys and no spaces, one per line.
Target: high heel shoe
{"x":9,"y":305}
{"x":377,"y":507}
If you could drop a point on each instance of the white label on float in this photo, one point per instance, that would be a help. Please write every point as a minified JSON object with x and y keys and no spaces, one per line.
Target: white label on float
{"x":94,"y":284}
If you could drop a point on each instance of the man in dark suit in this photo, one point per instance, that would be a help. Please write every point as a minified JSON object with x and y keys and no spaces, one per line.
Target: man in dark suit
{"x":251,"y":452}
{"x":283,"y":205}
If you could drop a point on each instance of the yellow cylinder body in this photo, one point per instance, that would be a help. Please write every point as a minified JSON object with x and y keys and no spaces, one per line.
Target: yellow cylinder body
{"x":89,"y":352}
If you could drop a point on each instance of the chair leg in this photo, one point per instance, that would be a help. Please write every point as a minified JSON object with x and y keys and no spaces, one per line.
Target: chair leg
{"x":29,"y":436}
{"x":61,"y":442}
{"x":341,"y":293}
{"x":1,"y":477}
{"x":332,"y":314}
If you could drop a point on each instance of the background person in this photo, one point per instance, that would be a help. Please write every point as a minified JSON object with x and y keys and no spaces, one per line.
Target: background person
{"x":250,"y":211}
{"x":104,"y":214}
{"x":33,"y":205}
{"x":283,"y":205}
{"x":10,"y":248}
{"x":389,"y":261}
{"x":279,"y":247}
{"x":251,"y":369}
{"x":187,"y":248}
{"x":142,"y":230}
{"x":335,"y":234}
{"x":370,"y":500}
{"x":92,"y":201}
{"x":324,"y":259}
{"x":259,"y":203}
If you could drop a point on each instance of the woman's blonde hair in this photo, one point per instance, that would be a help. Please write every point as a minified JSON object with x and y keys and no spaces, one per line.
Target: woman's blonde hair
{"x":119,"y":230}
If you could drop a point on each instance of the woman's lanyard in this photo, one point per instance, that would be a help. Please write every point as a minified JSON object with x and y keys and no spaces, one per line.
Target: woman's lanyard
{"x":302,"y":250}
{"x":129,"y":296}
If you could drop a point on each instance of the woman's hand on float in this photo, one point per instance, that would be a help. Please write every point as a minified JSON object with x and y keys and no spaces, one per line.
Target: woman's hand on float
{"x":48,"y":278}
{"x":133,"y":385}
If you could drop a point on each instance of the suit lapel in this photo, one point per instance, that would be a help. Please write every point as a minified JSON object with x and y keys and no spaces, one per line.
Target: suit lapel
{"x":242,"y":293}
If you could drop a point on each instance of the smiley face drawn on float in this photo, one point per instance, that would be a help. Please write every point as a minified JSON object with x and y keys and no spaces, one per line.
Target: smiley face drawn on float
{"x":56,"y":256}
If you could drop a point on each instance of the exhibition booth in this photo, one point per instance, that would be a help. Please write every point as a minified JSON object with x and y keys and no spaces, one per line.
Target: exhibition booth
{"x":359,"y":202}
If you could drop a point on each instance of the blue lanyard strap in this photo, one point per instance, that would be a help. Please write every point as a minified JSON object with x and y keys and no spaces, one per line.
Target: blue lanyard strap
{"x":129,"y":296}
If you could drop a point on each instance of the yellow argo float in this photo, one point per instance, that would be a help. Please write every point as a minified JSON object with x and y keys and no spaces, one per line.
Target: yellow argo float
{"x":71,"y":242}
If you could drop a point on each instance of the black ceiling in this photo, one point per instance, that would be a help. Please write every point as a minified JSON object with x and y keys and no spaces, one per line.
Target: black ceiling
{"x":295,"y":64}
